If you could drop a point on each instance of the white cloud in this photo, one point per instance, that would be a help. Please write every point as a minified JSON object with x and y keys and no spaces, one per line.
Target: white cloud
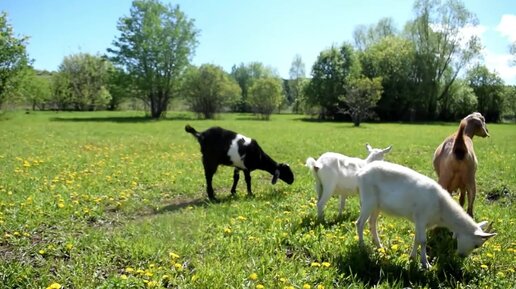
{"x":500,"y":63}
{"x":507,"y":27}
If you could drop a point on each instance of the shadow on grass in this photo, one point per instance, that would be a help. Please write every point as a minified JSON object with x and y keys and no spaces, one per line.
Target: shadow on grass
{"x":361,"y":265}
{"x":121,"y":119}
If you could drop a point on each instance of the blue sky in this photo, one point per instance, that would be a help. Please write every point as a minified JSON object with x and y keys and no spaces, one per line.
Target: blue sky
{"x":232,"y":32}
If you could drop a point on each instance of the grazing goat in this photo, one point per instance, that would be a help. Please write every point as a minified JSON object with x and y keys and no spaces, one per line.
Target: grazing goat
{"x":455,"y":161}
{"x":335,"y":173}
{"x":400,"y":191}
{"x":224,"y":147}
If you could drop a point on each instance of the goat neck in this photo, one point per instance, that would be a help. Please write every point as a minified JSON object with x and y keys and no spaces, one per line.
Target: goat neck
{"x":453,"y":216}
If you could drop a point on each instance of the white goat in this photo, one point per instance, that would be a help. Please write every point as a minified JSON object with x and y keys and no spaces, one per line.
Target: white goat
{"x":335,"y":173}
{"x":400,"y":191}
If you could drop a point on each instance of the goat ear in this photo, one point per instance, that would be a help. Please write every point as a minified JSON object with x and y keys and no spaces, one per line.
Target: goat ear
{"x":368,"y":147}
{"x":388,"y":149}
{"x":482,"y":224}
{"x":275,"y":176}
{"x":484,"y":235}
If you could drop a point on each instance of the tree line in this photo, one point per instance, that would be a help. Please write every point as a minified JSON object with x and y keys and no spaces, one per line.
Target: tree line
{"x":427,"y":71}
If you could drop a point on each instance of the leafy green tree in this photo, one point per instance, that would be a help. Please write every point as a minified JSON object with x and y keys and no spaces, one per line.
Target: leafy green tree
{"x":35,"y":88}
{"x":209,"y":89}
{"x":155,"y":45}
{"x":361,"y":96}
{"x":442,"y":50}
{"x":86,"y":76}
{"x":462,"y":100}
{"x":296,"y":82}
{"x":13,"y":58}
{"x":265,"y":96}
{"x":366,"y":36}
{"x":392,"y":59}
{"x":510,"y":102}
{"x":246,"y":75}
{"x":330,"y":77}
{"x":120,"y":87}
{"x":489,"y":89}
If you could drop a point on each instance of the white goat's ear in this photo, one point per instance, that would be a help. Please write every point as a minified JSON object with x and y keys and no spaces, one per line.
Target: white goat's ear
{"x":482,"y":224}
{"x":484,"y":235}
{"x":388,"y":149}
{"x":368,"y":147}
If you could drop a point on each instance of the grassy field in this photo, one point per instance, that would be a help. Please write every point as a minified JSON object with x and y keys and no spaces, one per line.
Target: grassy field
{"x":112,"y":200}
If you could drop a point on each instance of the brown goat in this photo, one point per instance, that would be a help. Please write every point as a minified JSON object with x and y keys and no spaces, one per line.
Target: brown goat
{"x":455,"y":162}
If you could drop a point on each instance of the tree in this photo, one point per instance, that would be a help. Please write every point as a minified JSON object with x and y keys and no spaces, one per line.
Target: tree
{"x":365,"y":36}
{"x":361,"y":96}
{"x":265,"y":95}
{"x":489,"y":89}
{"x":330,"y":76}
{"x":208,"y":89}
{"x":296,"y":82}
{"x":86,"y":77}
{"x":392,"y":59}
{"x":245,"y":75}
{"x":35,"y":88}
{"x":442,"y":50}
{"x":154,"y":47}
{"x":120,"y":87}
{"x":462,"y":101}
{"x":13,"y":58}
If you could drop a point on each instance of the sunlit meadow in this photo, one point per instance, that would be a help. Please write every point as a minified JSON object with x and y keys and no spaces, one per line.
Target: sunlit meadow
{"x":113,"y":200}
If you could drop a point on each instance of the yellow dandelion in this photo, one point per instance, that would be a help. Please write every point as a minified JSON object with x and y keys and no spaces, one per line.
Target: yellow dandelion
{"x":484,"y":266}
{"x":195,"y":277}
{"x":326,"y":264}
{"x":306,"y":286}
{"x":283,"y":280}
{"x":151,"y":284}
{"x":69,"y":246}
{"x":320,"y":286}
{"x":123,"y":277}
{"x":54,"y":285}
{"x":227,"y":230}
{"x":178,"y":266}
{"x":61,"y":205}
{"x":173,"y":255}
{"x":395,"y":247}
{"x":289,"y":287}
{"x":129,"y":270}
{"x":17,"y":234}
{"x":41,"y":252}
{"x":381,"y":250}
{"x":253,"y":276}
{"x":315,"y":264}
{"x":490,"y":255}
{"x":241,"y":218}
{"x":260,"y":286}
{"x":500,"y":275}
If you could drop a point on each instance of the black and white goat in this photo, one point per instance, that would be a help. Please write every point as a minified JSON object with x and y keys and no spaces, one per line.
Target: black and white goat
{"x":224,"y":147}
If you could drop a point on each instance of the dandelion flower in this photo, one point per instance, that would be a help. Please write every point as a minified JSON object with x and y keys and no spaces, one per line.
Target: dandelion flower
{"x":315,"y":264}
{"x":54,"y":286}
{"x":483,"y":266}
{"x":253,"y":276}
{"x":123,"y":277}
{"x":500,"y":275}
{"x":227,"y":230}
{"x":41,"y":252}
{"x":320,"y":286}
{"x":173,"y":255}
{"x":326,"y":264}
{"x":260,"y":286}
{"x":306,"y":286}
{"x":129,"y":270}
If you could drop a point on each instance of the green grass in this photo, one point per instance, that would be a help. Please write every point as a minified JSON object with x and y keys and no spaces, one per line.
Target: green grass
{"x":112,"y":200}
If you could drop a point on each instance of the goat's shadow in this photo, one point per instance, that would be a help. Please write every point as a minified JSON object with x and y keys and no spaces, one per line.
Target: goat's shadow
{"x":179,"y":204}
{"x":359,"y":263}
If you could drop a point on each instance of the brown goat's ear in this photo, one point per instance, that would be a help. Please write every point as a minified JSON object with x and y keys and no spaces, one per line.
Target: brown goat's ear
{"x":275,"y":176}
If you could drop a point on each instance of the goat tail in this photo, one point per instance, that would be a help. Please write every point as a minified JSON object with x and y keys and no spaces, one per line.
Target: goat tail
{"x":313,"y":165}
{"x":192,"y":130}
{"x":459,"y":146}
